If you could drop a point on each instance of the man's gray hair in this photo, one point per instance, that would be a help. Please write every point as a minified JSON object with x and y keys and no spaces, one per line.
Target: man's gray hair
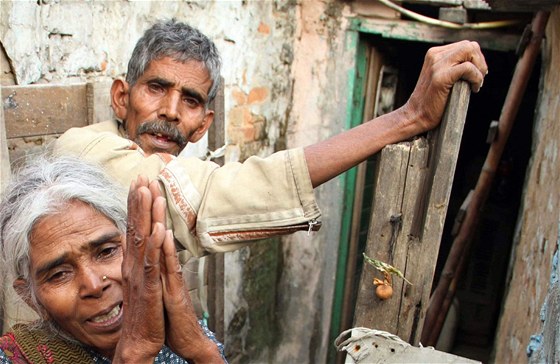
{"x":45,"y":187}
{"x":179,"y":41}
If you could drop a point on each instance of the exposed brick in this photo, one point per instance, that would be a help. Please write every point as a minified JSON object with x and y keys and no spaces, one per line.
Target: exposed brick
{"x":249,"y":133}
{"x":239,"y":96}
{"x":257,"y":95}
{"x":259,"y":124}
{"x":239,"y":116}
{"x":235,"y":135}
{"x":263,"y":28}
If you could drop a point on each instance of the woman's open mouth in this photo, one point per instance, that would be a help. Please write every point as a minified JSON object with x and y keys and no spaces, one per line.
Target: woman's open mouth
{"x":108,"y":319}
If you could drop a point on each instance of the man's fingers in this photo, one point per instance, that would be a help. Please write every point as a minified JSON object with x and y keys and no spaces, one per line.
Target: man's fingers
{"x":477,"y":59}
{"x":470,"y":52}
{"x":461,"y":60}
{"x":470,"y":73}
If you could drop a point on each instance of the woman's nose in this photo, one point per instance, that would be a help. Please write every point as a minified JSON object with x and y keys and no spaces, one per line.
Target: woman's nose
{"x":93,"y":283}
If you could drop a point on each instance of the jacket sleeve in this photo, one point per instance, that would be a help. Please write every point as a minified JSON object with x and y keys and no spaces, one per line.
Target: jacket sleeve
{"x":210,"y":208}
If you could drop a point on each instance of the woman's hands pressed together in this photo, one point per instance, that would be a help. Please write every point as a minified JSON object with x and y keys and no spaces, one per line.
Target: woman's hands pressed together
{"x":143,"y":329}
{"x":156,"y":304}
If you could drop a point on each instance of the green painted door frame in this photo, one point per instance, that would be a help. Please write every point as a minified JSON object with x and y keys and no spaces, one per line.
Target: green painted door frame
{"x":354,"y":115}
{"x":356,"y":42}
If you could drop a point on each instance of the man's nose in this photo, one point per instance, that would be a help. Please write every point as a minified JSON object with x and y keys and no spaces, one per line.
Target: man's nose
{"x":92,"y":283}
{"x":169,"y":107}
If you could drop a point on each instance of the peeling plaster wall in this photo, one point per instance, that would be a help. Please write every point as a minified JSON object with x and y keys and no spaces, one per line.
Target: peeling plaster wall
{"x":319,"y":112}
{"x":537,"y":230}
{"x":285,"y":71}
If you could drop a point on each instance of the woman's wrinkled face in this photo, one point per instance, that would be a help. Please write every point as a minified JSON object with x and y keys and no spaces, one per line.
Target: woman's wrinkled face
{"x":71,"y":252}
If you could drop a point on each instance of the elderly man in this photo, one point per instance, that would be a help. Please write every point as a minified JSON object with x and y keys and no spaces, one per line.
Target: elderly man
{"x":163,"y":104}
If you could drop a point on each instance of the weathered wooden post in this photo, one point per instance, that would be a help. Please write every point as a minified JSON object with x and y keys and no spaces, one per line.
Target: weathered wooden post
{"x":4,"y":175}
{"x":413,"y":186}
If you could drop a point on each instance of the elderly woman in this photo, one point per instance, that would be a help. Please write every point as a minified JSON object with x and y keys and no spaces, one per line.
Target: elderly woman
{"x":107,"y":287}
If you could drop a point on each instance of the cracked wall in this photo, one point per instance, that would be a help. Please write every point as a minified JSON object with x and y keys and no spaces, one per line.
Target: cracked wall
{"x":537,"y":227}
{"x":285,"y":70}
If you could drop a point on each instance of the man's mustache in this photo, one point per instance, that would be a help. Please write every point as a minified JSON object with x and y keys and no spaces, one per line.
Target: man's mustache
{"x":162,"y":127}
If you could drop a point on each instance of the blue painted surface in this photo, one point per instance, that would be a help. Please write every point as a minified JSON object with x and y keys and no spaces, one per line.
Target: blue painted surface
{"x":536,"y":341}
{"x":535,"y":344}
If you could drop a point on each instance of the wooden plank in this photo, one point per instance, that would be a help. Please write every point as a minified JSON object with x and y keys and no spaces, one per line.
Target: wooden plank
{"x":413,"y":185}
{"x":217,"y":132}
{"x":436,"y":2}
{"x":420,"y":32}
{"x":4,"y":176}
{"x":467,"y":4}
{"x":368,"y":8}
{"x":11,"y":307}
{"x":98,"y":95}
{"x":445,"y":142}
{"x":4,"y":158}
{"x":215,"y":272}
{"x":408,"y":254}
{"x":44,"y":109}
{"x":373,"y":85}
{"x":35,"y":117}
{"x":401,"y":167}
{"x":523,"y":5}
{"x":20,"y":149}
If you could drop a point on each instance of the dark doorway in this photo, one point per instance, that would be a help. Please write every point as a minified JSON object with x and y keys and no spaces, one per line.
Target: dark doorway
{"x":481,"y":288}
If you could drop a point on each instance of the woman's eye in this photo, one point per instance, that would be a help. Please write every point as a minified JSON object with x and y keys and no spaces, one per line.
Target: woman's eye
{"x":108,"y":252}
{"x":58,"y":276}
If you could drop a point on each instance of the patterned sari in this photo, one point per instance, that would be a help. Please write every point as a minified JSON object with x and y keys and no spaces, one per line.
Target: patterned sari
{"x":23,"y":345}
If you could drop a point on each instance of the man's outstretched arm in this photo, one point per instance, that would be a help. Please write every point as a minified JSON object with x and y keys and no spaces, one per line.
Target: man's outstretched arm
{"x":443,"y":66}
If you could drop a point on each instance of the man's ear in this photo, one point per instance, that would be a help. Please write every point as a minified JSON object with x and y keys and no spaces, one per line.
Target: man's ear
{"x":119,"y":98}
{"x":201,"y":130}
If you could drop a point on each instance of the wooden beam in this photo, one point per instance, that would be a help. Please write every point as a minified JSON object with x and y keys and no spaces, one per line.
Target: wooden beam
{"x":460,"y":247}
{"x":4,"y":177}
{"x":31,"y":111}
{"x":413,"y":185}
{"x":11,"y":307}
{"x":498,"y":40}
{"x":37,"y":114}
{"x":215,"y":272}
{"x":467,"y":4}
{"x":523,"y":5}
{"x":4,"y":158}
{"x":98,"y":95}
{"x":400,"y":170}
{"x":436,"y":2}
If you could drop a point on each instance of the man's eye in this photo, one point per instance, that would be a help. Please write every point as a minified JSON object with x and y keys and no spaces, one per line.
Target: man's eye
{"x":154,"y":87}
{"x":192,"y":102}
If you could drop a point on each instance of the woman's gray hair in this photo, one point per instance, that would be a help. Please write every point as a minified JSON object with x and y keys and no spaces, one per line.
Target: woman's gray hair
{"x":45,"y":187}
{"x":179,"y":41}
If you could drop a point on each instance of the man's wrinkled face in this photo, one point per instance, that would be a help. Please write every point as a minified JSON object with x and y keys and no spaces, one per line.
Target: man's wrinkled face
{"x":166,"y":108}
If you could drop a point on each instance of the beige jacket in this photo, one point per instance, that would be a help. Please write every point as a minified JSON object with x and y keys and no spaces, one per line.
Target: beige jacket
{"x":210,"y":208}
